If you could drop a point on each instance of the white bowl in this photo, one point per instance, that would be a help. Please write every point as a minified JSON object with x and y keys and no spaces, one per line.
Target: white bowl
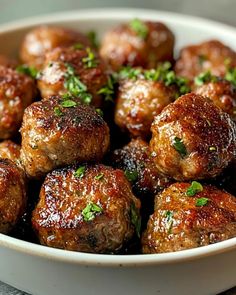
{"x":45,"y":271}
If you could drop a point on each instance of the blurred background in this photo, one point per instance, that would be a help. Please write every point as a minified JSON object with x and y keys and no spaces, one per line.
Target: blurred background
{"x":221,"y":10}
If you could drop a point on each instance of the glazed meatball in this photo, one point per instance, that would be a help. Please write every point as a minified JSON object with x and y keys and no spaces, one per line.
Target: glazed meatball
{"x":192,"y":139}
{"x":75,"y":71}
{"x":138,"y":102}
{"x":41,"y":40}
{"x":16,"y":93}
{"x":222,"y":93}
{"x":10,"y":150}
{"x":12,"y":195}
{"x":136,"y":161}
{"x":88,"y":209}
{"x":7,"y":62}
{"x":137,"y":44}
{"x":211,"y":55}
{"x":182,"y":220}
{"x":57,"y":132}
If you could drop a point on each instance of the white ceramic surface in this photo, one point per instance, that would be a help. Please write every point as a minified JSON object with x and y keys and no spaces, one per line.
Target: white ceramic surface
{"x":46,"y":271}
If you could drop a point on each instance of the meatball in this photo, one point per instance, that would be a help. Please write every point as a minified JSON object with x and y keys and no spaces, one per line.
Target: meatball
{"x":222,"y":93}
{"x":192,"y":139}
{"x":211,"y":55}
{"x":42,"y":39}
{"x":138,"y":102}
{"x":7,"y":62}
{"x":16,"y":93}
{"x":10,"y":150}
{"x":88,"y":209}
{"x":77,"y":71}
{"x":183,"y":219}
{"x":138,"y":43}
{"x":57,"y":132}
{"x":12,"y":195}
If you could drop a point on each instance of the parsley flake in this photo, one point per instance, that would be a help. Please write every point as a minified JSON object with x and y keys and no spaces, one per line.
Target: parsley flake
{"x":135,"y":218}
{"x":231,"y":75}
{"x":131,"y":175}
{"x":201,"y":202}
{"x":29,"y":71}
{"x":93,"y":39}
{"x":90,"y":60}
{"x":179,"y":146}
{"x":90,"y":211}
{"x":100,"y":112}
{"x":80,"y":172}
{"x":99,"y":176}
{"x":205,"y":77}
{"x":139,"y":27}
{"x":129,"y":73}
{"x":169,"y":220}
{"x":194,"y":188}
{"x":109,"y":89}
{"x":68,"y":103}
{"x":58,"y":112}
{"x":78,"y":46}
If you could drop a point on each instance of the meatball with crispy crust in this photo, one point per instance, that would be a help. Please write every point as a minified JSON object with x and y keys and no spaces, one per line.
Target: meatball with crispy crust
{"x":88,"y":209}
{"x":42,"y":39}
{"x":210,"y":55}
{"x":10,"y":150}
{"x":75,"y":71}
{"x":58,"y":132}
{"x":138,"y":102}
{"x":7,"y":62}
{"x":139,"y":43}
{"x":12,"y":195}
{"x":192,"y":139}
{"x":222,"y":93}
{"x":185,"y":218}
{"x":16,"y":93}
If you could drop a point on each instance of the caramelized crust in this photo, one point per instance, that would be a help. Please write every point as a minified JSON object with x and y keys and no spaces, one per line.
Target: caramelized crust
{"x":59,"y":217}
{"x":179,"y":224}
{"x":10,"y":150}
{"x":122,"y":46}
{"x":206,"y":133}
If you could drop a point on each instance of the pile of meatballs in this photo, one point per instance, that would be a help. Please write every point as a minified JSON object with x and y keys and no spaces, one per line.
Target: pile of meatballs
{"x":118,"y":146}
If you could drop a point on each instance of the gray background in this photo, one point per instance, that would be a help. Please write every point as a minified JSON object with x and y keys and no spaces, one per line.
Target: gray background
{"x":10,"y":10}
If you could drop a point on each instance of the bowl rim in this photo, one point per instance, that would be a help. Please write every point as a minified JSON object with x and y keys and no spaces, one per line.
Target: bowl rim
{"x":71,"y":257}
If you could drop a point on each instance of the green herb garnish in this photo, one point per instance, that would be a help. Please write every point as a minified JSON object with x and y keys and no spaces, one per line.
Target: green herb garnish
{"x":139,"y":27}
{"x":100,"y":112}
{"x":78,"y":46}
{"x":27,"y":70}
{"x":68,"y":103}
{"x":169,"y":220}
{"x":90,"y":211}
{"x":99,"y":176}
{"x":93,"y":39}
{"x":201,"y":202}
{"x":205,"y":77}
{"x":201,"y":59}
{"x":109,"y":89}
{"x":79,"y":173}
{"x":135,"y":218}
{"x":58,"y":112}
{"x":194,"y":188}
{"x":131,"y":175}
{"x":179,"y":146}
{"x":90,"y":60}
{"x":231,"y":75}
{"x":129,"y":73}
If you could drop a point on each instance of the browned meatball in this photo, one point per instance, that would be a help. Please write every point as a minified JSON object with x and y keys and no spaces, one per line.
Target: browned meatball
{"x":16,"y":93}
{"x":222,"y":93}
{"x":135,"y":159}
{"x":137,"y":44}
{"x":192,"y":139}
{"x":57,"y":132}
{"x":12,"y":195}
{"x":74,"y":71}
{"x":41,"y":40}
{"x":181,"y":221}
{"x":211,"y":55}
{"x":10,"y":150}
{"x":88,"y":209}
{"x":138,"y":102}
{"x":7,"y":62}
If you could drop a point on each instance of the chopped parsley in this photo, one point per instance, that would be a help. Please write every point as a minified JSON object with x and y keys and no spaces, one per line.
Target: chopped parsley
{"x":93,"y":39}
{"x":205,"y":77}
{"x":131,"y":175}
{"x":58,"y":112}
{"x":99,"y":176}
{"x":139,"y":27}
{"x":129,"y":73}
{"x":169,"y":220}
{"x":80,"y":172}
{"x":231,"y":75}
{"x":100,"y":112}
{"x":90,"y":211}
{"x":27,"y":70}
{"x":78,"y":46}
{"x":179,"y":146}
{"x":194,"y":188}
{"x":68,"y":103}
{"x":201,"y":59}
{"x":135,"y":218}
{"x":75,"y":87}
{"x":201,"y":202}
{"x":90,"y":60}
{"x":109,"y":89}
